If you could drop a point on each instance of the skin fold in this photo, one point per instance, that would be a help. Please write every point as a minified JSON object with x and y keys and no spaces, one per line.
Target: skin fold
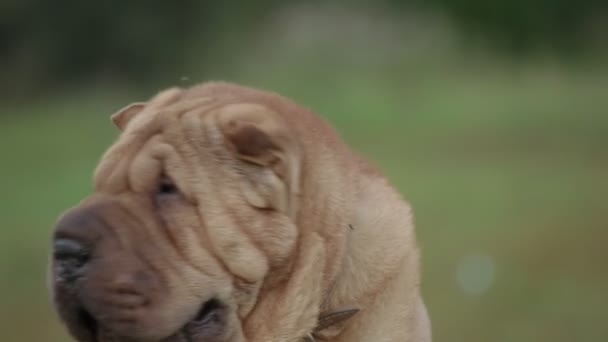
{"x":224,"y":213}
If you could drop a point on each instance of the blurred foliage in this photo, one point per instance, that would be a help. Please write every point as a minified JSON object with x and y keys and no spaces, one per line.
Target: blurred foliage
{"x":522,"y":25}
{"x":49,"y":42}
{"x":68,"y":40}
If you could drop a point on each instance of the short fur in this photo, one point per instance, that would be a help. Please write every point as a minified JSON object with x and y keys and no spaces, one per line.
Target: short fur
{"x":276,"y":216}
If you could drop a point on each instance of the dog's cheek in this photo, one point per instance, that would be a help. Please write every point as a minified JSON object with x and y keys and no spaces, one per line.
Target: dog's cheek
{"x":263,"y":189}
{"x":245,"y":296}
{"x":277,"y":237}
{"x":254,"y":197}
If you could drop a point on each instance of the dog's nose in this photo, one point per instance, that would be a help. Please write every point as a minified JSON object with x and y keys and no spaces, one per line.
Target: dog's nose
{"x":70,"y":257}
{"x":72,"y":243}
{"x":66,"y":249}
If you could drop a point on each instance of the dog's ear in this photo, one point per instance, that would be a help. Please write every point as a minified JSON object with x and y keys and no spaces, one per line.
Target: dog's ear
{"x":122,"y":117}
{"x":255,"y":135}
{"x":261,"y":139}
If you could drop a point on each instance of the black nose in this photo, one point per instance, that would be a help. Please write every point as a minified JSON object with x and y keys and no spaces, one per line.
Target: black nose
{"x":70,"y":257}
{"x":73,"y":240}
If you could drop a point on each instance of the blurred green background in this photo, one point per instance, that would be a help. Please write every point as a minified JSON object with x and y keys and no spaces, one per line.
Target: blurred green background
{"x":490,"y":116}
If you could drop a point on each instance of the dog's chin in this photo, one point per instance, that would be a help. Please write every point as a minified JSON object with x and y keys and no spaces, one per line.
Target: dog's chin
{"x":209,"y":324}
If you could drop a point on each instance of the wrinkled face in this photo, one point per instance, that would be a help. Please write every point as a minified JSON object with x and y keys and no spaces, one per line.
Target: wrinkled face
{"x":191,"y":215}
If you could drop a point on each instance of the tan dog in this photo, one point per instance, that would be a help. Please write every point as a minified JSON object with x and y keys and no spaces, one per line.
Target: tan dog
{"x":228,"y":214}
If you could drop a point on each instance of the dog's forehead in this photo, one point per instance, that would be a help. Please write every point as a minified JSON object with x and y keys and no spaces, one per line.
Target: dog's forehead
{"x":174,"y":102}
{"x":154,"y":107}
{"x":165,"y":109}
{"x":156,"y":127}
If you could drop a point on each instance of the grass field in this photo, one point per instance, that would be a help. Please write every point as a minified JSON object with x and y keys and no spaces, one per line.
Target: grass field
{"x":503,"y":164}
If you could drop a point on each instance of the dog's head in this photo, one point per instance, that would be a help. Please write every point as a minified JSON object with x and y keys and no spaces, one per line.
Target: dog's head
{"x":192,"y":214}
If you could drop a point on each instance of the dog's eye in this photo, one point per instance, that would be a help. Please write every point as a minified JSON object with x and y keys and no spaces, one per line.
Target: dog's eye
{"x":166,"y":186}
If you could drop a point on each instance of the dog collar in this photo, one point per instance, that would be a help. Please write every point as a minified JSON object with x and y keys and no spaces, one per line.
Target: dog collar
{"x":329,"y":319}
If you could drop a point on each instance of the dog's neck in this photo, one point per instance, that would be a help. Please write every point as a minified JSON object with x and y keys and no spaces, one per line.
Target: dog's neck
{"x":362,"y":222}
{"x":375,"y":220}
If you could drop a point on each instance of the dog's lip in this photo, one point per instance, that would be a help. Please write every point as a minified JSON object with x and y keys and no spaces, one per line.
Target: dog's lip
{"x":87,"y":323}
{"x":209,"y":313}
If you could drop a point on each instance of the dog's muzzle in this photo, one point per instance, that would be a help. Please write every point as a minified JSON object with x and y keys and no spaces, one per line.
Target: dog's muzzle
{"x":104,"y":292}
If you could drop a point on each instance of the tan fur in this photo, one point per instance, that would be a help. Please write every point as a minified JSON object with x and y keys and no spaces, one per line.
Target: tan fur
{"x":279,"y":218}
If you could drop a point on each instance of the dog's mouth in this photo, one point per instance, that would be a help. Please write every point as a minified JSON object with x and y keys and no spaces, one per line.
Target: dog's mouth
{"x":87,"y":323}
{"x":209,"y":322}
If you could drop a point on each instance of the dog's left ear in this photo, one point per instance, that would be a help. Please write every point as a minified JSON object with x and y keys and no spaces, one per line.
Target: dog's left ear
{"x":256,"y":135}
{"x":260,"y":138}
{"x":123,"y":116}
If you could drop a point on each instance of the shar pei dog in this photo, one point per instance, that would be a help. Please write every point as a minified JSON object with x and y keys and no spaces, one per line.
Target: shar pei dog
{"x":228,"y":214}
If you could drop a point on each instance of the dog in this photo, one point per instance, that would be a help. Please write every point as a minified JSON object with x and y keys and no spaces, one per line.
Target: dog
{"x":224,"y":213}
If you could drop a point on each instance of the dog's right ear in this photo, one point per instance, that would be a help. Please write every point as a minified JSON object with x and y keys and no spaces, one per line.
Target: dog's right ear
{"x":123,"y":116}
{"x":259,"y":138}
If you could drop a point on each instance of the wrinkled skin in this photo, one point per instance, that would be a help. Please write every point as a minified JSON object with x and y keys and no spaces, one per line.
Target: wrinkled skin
{"x":219,"y":215}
